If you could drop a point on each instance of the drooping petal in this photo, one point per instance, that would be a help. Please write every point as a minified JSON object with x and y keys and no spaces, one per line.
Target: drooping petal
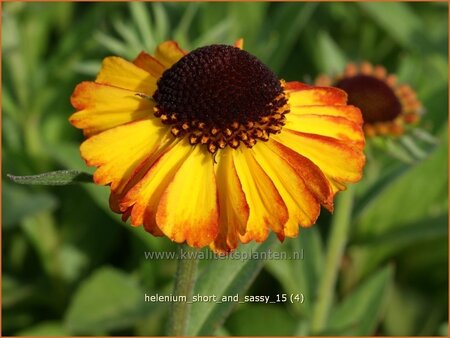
{"x":233,"y":207}
{"x":169,"y":53}
{"x":119,"y":151}
{"x":101,"y":107}
{"x":332,"y":126}
{"x":315,"y":180}
{"x":349,"y":112}
{"x":143,"y":198}
{"x":121,"y":73}
{"x":149,"y":64}
{"x":188,"y":210}
{"x":139,"y":172}
{"x":304,"y":95}
{"x":302,"y":206}
{"x":339,"y":161}
{"x":319,"y":115}
{"x":267,"y":209}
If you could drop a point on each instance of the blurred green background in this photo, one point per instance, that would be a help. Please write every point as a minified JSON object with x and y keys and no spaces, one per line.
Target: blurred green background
{"x":71,"y":267}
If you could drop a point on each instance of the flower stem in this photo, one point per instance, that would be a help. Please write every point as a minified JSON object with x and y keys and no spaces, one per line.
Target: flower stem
{"x":338,"y":237}
{"x":184,"y":285}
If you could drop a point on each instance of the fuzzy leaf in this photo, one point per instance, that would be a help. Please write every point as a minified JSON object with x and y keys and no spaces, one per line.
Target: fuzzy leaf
{"x":59,"y":177}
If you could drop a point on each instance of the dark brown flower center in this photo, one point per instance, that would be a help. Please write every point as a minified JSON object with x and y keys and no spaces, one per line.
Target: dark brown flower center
{"x":221,"y":95}
{"x":377,"y":101}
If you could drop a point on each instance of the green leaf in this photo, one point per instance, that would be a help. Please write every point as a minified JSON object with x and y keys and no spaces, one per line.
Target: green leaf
{"x":330,"y":58}
{"x":130,"y":37}
{"x":9,"y":107}
{"x":427,"y":265}
{"x":422,"y":229}
{"x":407,"y":312}
{"x":248,"y":19}
{"x":74,"y":261}
{"x":424,"y":136}
{"x":59,"y":177}
{"x":108,"y":299}
{"x":180,"y":33}
{"x":210,"y":14}
{"x":49,"y":329}
{"x":161,"y":27}
{"x":396,"y":150}
{"x":443,"y":330}
{"x":410,"y":144}
{"x":393,"y":219}
{"x":397,"y":19}
{"x":360,"y":312}
{"x":68,"y":155}
{"x":87,"y":67}
{"x":300,"y":275}
{"x":246,"y":321}
{"x":369,"y":254}
{"x":114,"y":45}
{"x":13,"y":291}
{"x":19,"y":203}
{"x":43,"y":234}
{"x":224,"y":277}
{"x":290,"y":20}
{"x":143,"y":22}
{"x":398,"y":208}
{"x":214,"y":34}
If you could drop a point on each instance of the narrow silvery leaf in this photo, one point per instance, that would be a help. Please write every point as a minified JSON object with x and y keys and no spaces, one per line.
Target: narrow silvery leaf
{"x":59,"y":177}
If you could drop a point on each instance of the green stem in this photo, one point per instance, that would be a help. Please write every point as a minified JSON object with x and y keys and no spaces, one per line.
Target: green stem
{"x":184,"y":285}
{"x":340,"y":226}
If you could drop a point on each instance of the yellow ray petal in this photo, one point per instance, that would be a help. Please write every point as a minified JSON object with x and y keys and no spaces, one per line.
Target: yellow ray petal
{"x":332,"y":126}
{"x":188,"y":210}
{"x":121,"y":73}
{"x":304,"y":95}
{"x":102,"y":107}
{"x":169,"y":53}
{"x":349,"y":112}
{"x":149,"y":64}
{"x":335,"y":158}
{"x":143,"y":198}
{"x":315,"y":180}
{"x":336,"y":185}
{"x":233,"y":207}
{"x":119,"y":151}
{"x":239,"y":43}
{"x":267,"y":209}
{"x":116,"y":196}
{"x":303,"y":208}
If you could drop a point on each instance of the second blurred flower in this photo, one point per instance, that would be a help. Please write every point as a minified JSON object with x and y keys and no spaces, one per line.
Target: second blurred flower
{"x":387,"y":107}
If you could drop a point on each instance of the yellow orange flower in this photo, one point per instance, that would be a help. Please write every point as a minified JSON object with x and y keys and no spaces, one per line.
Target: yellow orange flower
{"x":210,"y":148}
{"x":387,"y":107}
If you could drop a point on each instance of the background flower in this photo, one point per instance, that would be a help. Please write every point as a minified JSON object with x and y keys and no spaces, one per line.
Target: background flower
{"x":66,"y":243}
{"x":388,"y":107}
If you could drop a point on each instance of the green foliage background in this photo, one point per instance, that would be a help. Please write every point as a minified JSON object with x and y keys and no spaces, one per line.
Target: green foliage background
{"x":71,"y":267}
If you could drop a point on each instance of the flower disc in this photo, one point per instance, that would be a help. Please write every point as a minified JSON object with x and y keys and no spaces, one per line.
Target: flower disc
{"x":374,"y":97}
{"x":220,"y":95}
{"x":218,"y":85}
